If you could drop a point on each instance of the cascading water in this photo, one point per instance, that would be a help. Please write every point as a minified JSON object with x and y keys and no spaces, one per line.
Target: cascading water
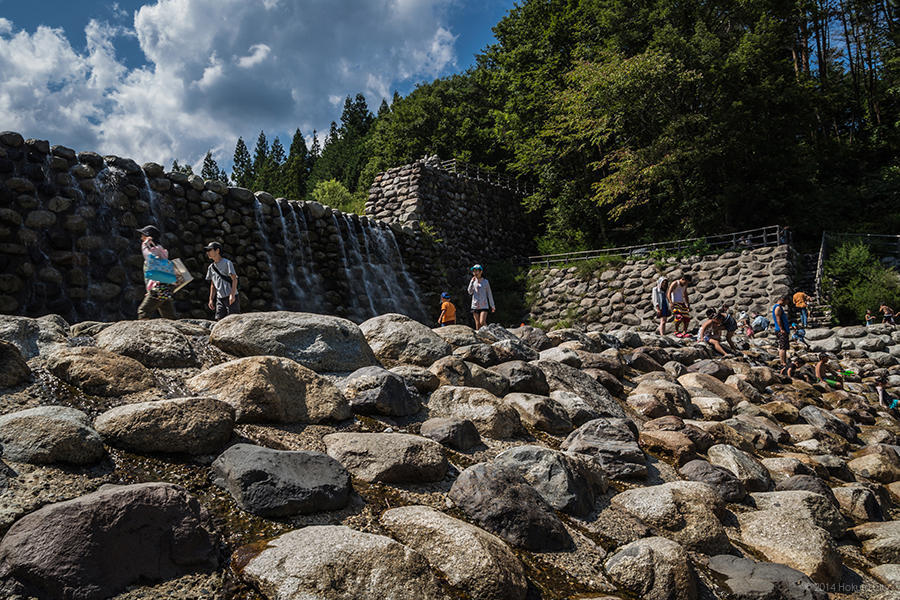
{"x":312,"y":302}
{"x":289,"y":250}
{"x":267,"y":248}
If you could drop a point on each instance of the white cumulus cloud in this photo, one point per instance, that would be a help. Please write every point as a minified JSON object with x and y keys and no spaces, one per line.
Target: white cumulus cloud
{"x":214,"y":70}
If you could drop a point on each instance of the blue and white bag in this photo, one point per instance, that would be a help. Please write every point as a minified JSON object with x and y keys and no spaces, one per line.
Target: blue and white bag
{"x":159,"y":269}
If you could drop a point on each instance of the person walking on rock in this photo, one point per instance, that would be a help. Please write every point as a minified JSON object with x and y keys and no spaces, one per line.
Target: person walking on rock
{"x":448,"y":311}
{"x":681,"y":304}
{"x":801,"y":302}
{"x":158,"y":295}
{"x":223,"y":283}
{"x":482,"y":299}
{"x":782,"y":330}
{"x":661,"y":303}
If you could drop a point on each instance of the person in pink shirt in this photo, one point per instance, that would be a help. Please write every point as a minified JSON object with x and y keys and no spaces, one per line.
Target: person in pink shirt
{"x":158,"y":297}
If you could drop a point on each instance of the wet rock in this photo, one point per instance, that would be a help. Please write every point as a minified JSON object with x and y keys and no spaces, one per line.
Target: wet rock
{"x":473,"y":560}
{"x":541,"y":412}
{"x":359,"y":565}
{"x":751,"y":473}
{"x":685,"y":511}
{"x":272,"y":389}
{"x":13,"y":368}
{"x":653,"y":568}
{"x":423,"y":380}
{"x":816,"y":508}
{"x":124,"y":535}
{"x":523,"y":377}
{"x":50,"y":434}
{"x":729,"y":487}
{"x":153,"y":343}
{"x":880,"y":541}
{"x":188,"y":425}
{"x":858,"y":503}
{"x":319,"y":342}
{"x":278,"y":483}
{"x":397,"y":339}
{"x":579,"y":411}
{"x":459,"y":434}
{"x":374,"y":390}
{"x":500,"y":500}
{"x":783,"y":411}
{"x":388,"y":457}
{"x":823,"y":419}
{"x":798,"y":543}
{"x":566,"y":482}
{"x":562,"y":377}
{"x":747,"y":579}
{"x":100,"y":372}
{"x":32,"y":336}
{"x":612,"y":444}
{"x":491,"y":416}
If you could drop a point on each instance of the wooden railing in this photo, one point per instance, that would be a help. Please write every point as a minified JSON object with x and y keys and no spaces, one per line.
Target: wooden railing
{"x":751,"y":238}
{"x":463,"y":169}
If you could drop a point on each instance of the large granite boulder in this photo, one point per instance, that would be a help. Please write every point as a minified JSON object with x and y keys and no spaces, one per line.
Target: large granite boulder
{"x":747,"y":579}
{"x":657,"y":397}
{"x":329,"y":562}
{"x":397,"y":339}
{"x":94,"y":546}
{"x":562,"y":377}
{"x":420,"y":378}
{"x":523,"y":377}
{"x":810,"y":506}
{"x":746,"y":467}
{"x":457,"y":335}
{"x":272,"y":389}
{"x":100,"y":372}
{"x":188,"y":425}
{"x":823,"y":419}
{"x":500,"y":500}
{"x":653,"y":568}
{"x":388,"y":457}
{"x":612,"y":444}
{"x":33,"y":336}
{"x":567,"y":482}
{"x":374,"y":390}
{"x":319,"y":342}
{"x":13,"y":368}
{"x":153,"y":343}
{"x":702,"y":384}
{"x":541,"y":412}
{"x":725,"y":483}
{"x":880,"y":541}
{"x":473,"y":560}
{"x":280,"y":483}
{"x":50,"y":434}
{"x":491,"y":416}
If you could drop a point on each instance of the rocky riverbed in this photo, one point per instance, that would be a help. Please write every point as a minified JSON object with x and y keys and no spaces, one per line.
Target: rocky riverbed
{"x":290,"y":455}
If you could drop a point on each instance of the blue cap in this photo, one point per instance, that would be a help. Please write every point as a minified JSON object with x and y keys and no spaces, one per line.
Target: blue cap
{"x":445,"y":295}
{"x":476,"y":268}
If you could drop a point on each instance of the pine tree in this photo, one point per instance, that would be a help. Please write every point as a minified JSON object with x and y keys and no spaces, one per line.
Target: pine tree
{"x":242,"y":171}
{"x":260,"y":157}
{"x":296,"y":168}
{"x":211,"y":169}
{"x":268,"y":177}
{"x":186,"y":169}
{"x":384,"y":109}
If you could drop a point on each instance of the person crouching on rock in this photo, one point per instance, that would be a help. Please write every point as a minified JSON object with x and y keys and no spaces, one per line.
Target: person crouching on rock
{"x":709,"y":332}
{"x":823,"y":371}
{"x":223,"y":283}
{"x":158,"y":296}
{"x":482,"y":299}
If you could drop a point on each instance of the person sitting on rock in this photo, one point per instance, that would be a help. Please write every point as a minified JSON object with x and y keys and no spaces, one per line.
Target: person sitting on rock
{"x":158,"y":297}
{"x":223,"y":283}
{"x":883,"y":398}
{"x":448,"y":311}
{"x":709,"y":332}
{"x":823,"y":371}
{"x":759,"y":323}
{"x":677,"y":296}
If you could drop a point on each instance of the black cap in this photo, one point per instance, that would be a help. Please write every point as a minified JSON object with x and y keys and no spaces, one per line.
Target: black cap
{"x":213,"y":246}
{"x":150,"y":231}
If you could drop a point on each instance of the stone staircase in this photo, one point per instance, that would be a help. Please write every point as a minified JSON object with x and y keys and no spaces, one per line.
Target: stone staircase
{"x":819,"y":311}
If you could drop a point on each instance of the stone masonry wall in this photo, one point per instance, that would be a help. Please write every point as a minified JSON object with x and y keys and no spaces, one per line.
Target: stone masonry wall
{"x":608,"y":298}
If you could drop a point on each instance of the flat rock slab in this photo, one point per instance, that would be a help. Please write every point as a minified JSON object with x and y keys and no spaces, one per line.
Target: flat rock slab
{"x":747,"y":579}
{"x":500,"y":500}
{"x":50,"y":434}
{"x":566,"y":482}
{"x":279,"y":483}
{"x":397,"y":339}
{"x":124,"y":535}
{"x":99,"y":372}
{"x":491,"y":416}
{"x":388,"y":457}
{"x":653,"y":568}
{"x":272,"y":389}
{"x":781,"y":537}
{"x":319,"y":342}
{"x":153,"y":343}
{"x":188,"y":425}
{"x":479,"y":563}
{"x":358,"y":565}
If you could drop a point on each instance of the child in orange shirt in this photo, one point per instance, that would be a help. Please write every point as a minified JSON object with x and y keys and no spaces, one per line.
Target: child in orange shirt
{"x":448,"y":311}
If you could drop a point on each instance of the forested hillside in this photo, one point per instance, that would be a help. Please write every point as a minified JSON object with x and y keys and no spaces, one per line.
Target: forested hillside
{"x":646,"y":119}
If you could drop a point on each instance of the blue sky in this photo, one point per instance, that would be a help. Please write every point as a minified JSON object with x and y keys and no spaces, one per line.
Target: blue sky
{"x":173,"y":78}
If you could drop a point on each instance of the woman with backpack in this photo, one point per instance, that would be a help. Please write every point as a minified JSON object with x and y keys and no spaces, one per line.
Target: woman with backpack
{"x":158,"y":296}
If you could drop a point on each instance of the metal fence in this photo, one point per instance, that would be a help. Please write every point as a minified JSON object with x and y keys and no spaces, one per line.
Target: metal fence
{"x":879,"y":245}
{"x":512,"y":184}
{"x":739,"y":240}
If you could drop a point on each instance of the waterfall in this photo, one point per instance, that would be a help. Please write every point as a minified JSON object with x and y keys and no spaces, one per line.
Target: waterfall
{"x":291,"y":269}
{"x":267,"y":249}
{"x":312,"y":302}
